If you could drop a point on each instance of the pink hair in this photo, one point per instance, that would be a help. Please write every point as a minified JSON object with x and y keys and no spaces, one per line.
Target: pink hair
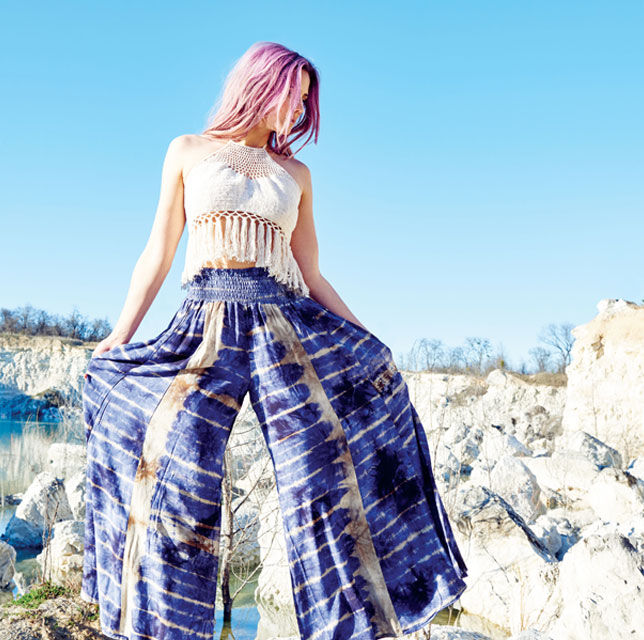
{"x":265,"y":77}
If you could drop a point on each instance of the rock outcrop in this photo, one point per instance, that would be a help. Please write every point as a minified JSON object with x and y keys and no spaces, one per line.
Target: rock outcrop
{"x":39,"y":374}
{"x":606,"y":378}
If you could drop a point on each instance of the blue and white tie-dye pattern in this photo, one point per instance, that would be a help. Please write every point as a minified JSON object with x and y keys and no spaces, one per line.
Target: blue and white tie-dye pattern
{"x":370,"y":547}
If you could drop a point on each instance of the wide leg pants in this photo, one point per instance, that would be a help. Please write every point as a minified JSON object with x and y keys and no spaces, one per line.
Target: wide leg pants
{"x":369,"y":544}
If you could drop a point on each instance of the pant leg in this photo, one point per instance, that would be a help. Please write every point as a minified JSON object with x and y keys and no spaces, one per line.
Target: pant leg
{"x":367,"y":556}
{"x":112,"y":453}
{"x":159,"y":417}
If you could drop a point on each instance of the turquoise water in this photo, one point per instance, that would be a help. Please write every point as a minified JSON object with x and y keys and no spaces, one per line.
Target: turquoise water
{"x":14,"y":428}
{"x":8,"y":427}
{"x":243,"y":625}
{"x":5,"y":516}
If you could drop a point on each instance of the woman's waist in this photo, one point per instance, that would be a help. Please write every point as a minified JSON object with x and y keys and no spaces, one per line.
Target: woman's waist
{"x":225,"y":262}
{"x":237,"y":283}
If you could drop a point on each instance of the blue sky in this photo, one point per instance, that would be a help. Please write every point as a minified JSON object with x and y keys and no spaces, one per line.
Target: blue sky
{"x":478,"y":172}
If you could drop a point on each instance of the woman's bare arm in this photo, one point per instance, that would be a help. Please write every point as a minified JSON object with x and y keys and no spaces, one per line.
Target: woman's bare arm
{"x":305,"y":251}
{"x":156,"y":258}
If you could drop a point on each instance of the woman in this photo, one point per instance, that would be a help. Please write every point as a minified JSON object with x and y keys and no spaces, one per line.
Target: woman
{"x":370,"y":549}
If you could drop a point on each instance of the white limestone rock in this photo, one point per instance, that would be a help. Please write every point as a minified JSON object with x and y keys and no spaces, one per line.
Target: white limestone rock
{"x":7,"y":564}
{"x":547,"y":529}
{"x":606,"y":378}
{"x":40,"y":373}
{"x":568,"y":474}
{"x":531,"y":634}
{"x":470,"y":422}
{"x":61,"y":560}
{"x":43,"y":504}
{"x":65,"y":459}
{"x":75,"y":487}
{"x":528,"y":411}
{"x":512,"y":479}
{"x":615,"y":496}
{"x":599,"y":453}
{"x":511,"y":571}
{"x":636,"y":467}
{"x":599,"y":593}
{"x":579,"y":484}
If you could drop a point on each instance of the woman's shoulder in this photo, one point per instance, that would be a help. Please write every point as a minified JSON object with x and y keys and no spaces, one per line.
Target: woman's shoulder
{"x":298,"y":170}
{"x":190,"y":142}
{"x":191,"y":148}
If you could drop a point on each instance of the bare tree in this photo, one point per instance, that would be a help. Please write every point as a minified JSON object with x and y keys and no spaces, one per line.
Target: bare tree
{"x":541,"y":358}
{"x":58,"y":325}
{"x":456,"y":359}
{"x":405,"y":361}
{"x":227,"y":538}
{"x":238,"y":534}
{"x":560,"y":338}
{"x":32,"y":321}
{"x":42,"y":323}
{"x":8,"y":319}
{"x":24,"y":317}
{"x":430,"y":353}
{"x":477,"y":351}
{"x":98,"y":329}
{"x":75,"y":324}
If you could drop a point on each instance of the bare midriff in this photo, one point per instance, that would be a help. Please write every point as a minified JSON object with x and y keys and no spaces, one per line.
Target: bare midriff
{"x":229,"y":263}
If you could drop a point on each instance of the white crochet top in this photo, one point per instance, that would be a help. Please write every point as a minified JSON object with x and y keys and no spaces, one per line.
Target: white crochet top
{"x":248,"y":193}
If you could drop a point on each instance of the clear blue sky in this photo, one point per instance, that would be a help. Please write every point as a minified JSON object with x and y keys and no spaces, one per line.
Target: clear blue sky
{"x":479,"y":170}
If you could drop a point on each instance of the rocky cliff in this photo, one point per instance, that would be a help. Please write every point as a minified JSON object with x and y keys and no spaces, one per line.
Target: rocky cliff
{"x":39,"y":374}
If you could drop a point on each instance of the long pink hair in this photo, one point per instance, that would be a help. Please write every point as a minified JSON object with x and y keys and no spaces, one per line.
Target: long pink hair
{"x":265,"y":77}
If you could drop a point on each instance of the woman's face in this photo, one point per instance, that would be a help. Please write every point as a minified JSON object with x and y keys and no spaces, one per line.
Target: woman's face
{"x":271,"y":120}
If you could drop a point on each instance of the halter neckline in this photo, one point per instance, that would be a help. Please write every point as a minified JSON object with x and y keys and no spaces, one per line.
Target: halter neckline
{"x":241,"y":145}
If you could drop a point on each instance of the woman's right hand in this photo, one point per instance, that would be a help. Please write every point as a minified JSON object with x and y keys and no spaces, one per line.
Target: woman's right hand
{"x":113,"y":340}
{"x":105,"y":345}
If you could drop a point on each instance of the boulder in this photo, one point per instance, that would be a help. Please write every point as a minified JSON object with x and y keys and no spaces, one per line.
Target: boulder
{"x":7,"y":564}
{"x":43,"y":504}
{"x":61,"y":560}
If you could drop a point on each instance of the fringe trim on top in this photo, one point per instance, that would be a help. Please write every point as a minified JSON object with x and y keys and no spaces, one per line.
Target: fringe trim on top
{"x":246,"y":236}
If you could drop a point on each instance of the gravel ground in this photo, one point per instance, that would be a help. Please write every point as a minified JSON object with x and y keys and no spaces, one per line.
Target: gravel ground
{"x":60,"y":618}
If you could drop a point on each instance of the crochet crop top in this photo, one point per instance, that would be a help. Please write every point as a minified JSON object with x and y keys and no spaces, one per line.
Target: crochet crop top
{"x":240,"y":203}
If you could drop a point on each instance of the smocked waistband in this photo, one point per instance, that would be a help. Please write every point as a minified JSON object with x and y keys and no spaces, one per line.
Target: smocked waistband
{"x":248,"y":284}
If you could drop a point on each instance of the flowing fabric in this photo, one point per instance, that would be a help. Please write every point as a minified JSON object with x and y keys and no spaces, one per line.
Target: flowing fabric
{"x":370,"y":548}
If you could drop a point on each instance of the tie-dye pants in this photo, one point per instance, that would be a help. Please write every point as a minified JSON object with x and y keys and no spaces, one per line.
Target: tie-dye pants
{"x":370,"y":548}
